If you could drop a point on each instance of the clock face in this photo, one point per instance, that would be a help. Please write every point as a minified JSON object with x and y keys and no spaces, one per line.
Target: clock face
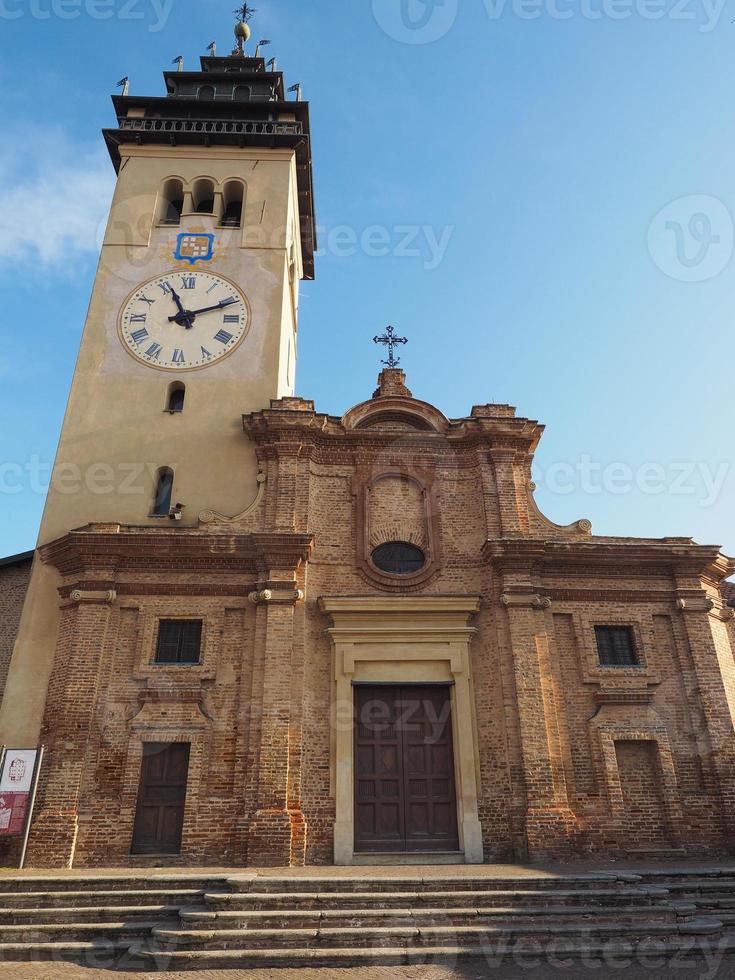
{"x":184,"y":320}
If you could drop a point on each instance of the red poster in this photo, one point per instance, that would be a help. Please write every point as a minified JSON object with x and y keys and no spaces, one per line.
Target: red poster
{"x":13,"y":808}
{"x":16,"y":781}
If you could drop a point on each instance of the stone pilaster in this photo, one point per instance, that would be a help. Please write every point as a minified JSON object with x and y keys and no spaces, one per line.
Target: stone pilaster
{"x":68,"y":721}
{"x":551,"y":826}
{"x":696,"y":608}
{"x":277,"y":832}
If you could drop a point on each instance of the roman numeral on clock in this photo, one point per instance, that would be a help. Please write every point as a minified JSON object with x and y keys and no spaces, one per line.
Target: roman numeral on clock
{"x":138,"y":317}
{"x":178,"y":357}
{"x":223,"y":337}
{"x":139,"y":335}
{"x":232,"y":318}
{"x":144,"y":299}
{"x":165,"y":286}
{"x":205,"y":352}
{"x":188,"y":282}
{"x":154,"y":352}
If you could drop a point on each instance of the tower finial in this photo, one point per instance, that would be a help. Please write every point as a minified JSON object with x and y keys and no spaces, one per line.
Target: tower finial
{"x":242,"y":30}
{"x":244,"y":12}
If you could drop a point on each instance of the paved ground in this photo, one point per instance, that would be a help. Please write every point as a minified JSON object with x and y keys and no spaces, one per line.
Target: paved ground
{"x":693,"y":971}
{"x":390,"y":871}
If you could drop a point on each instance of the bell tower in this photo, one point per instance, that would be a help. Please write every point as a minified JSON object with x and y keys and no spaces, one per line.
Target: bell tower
{"x":192,"y":322}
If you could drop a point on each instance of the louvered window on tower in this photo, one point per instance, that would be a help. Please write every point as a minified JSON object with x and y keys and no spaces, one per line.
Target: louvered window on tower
{"x":616,"y":646}
{"x":179,"y":641}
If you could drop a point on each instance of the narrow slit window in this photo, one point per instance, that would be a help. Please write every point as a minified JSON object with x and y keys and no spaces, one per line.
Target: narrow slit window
{"x":176,"y":397}
{"x":164,"y":492}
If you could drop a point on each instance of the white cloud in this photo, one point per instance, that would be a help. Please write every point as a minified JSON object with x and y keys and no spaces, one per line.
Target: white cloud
{"x":55,"y":197}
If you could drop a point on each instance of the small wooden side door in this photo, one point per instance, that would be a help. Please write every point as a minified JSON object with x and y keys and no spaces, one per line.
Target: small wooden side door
{"x":159,"y":816}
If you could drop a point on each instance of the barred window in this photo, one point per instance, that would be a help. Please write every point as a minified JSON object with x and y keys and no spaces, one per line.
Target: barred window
{"x":398,"y":558}
{"x":179,"y":641}
{"x":616,"y":646}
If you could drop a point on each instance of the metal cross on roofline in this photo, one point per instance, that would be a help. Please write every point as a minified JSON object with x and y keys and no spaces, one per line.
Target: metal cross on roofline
{"x":390,"y":340}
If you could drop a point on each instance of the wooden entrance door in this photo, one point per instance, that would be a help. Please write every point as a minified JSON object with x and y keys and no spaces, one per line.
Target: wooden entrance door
{"x":405,"y":796}
{"x":159,"y":817}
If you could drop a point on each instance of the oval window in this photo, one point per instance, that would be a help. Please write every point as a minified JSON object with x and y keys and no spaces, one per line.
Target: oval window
{"x":398,"y":558}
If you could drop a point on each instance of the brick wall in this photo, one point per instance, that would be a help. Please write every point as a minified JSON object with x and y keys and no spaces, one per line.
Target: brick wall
{"x":14,"y":576}
{"x":572,"y":758}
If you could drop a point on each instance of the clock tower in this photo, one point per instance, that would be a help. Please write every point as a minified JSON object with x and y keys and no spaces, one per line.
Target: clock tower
{"x":192,"y":322}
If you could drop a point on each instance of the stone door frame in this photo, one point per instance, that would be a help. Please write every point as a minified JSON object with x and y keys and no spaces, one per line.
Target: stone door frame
{"x":403,"y":640}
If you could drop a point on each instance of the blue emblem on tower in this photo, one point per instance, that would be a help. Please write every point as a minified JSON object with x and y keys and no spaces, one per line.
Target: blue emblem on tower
{"x":194,"y":247}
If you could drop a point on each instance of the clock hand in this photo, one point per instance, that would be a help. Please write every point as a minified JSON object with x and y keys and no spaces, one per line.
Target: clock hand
{"x":205,"y":309}
{"x":183,"y":317}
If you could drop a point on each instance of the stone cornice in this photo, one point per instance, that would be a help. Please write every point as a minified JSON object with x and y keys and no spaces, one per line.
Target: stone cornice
{"x":98,"y":551}
{"x":676,"y":554}
{"x":426,"y":618}
{"x":294,"y":420}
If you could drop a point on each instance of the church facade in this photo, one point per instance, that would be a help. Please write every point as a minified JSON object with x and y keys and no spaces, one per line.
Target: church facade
{"x":279,"y":637}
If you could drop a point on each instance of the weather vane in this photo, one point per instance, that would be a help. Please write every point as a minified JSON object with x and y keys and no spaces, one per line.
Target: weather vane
{"x":242,"y":30}
{"x":244,"y":12}
{"x":390,"y":340}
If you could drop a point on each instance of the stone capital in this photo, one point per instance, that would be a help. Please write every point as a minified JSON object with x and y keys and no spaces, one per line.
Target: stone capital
{"x":103,"y":597}
{"x":525,"y":600}
{"x":277,"y":596}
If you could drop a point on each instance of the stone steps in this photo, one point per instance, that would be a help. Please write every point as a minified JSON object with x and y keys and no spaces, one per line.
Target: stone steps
{"x":248,"y":919}
{"x":133,"y":882}
{"x":492,"y":956}
{"x":262,"y":901}
{"x":32,"y":932}
{"x":314,"y":918}
{"x":435,"y":935}
{"x":92,"y":913}
{"x":417,"y":883}
{"x":65,"y":899}
{"x":102,"y":955}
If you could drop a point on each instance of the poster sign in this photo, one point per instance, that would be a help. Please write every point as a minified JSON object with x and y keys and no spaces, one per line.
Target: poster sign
{"x":16,"y":787}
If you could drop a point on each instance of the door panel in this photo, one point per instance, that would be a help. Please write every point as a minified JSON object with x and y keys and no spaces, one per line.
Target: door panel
{"x":404,"y":770}
{"x":159,"y":817}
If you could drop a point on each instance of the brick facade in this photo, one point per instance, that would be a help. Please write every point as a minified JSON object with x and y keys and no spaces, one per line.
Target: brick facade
{"x":15,"y":573}
{"x":570,"y":757}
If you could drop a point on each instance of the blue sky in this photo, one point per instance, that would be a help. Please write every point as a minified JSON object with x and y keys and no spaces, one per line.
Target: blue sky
{"x":538,"y":193}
